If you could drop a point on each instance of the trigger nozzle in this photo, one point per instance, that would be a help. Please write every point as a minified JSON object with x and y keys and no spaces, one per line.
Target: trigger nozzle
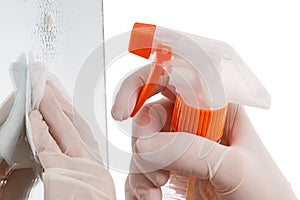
{"x":163,"y":53}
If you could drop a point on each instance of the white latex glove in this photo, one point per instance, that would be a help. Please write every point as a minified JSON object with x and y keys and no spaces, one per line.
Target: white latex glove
{"x":239,"y":168}
{"x":72,"y":167}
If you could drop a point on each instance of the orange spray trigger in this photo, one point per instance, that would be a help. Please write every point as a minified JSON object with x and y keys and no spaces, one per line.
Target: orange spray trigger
{"x":163,"y":53}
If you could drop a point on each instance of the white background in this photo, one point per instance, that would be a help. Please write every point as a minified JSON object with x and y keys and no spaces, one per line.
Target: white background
{"x":264,"y":33}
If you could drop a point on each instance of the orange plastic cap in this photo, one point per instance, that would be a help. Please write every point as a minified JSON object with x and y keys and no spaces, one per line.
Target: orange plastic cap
{"x":205,"y":123}
{"x":141,"y":39}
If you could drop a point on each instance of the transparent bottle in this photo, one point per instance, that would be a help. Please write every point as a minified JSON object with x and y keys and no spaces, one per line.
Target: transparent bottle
{"x":179,"y":187}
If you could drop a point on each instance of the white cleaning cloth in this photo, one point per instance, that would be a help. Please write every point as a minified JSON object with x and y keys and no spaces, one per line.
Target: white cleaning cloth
{"x":12,"y":112}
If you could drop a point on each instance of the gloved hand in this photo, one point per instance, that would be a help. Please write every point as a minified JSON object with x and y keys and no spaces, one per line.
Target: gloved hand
{"x":72,"y":166}
{"x":17,"y":174}
{"x":239,"y":168}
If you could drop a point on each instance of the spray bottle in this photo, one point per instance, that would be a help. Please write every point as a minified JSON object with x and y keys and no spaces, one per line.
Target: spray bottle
{"x":205,"y":75}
